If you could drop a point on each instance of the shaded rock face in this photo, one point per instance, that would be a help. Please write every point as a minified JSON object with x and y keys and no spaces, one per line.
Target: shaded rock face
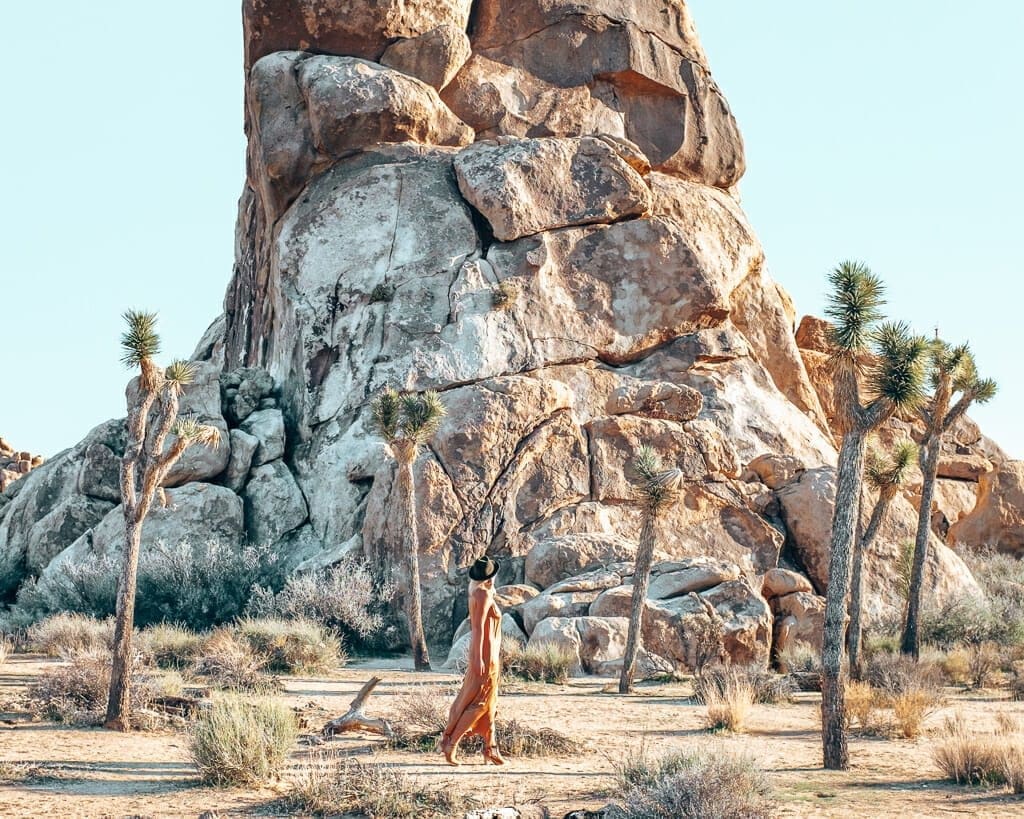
{"x":997,"y":519}
{"x":807,"y":503}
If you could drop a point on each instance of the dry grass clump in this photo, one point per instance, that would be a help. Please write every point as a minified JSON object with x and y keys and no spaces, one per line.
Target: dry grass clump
{"x":984,"y":661}
{"x":170,"y":646}
{"x":5,"y":651}
{"x":242,"y":741}
{"x":419,"y":719}
{"x":540,"y":662}
{"x":20,"y":773}
{"x":862,"y":703}
{"x":292,"y":646}
{"x":970,"y":758}
{"x":1017,"y":682}
{"x":228,"y":661}
{"x":76,"y":693}
{"x":912,"y":706}
{"x":684,"y":785}
{"x":893,"y":673}
{"x":956,"y":666}
{"x":768,"y":688}
{"x":728,"y":696}
{"x":799,"y":657}
{"x":66,"y":635}
{"x":327,"y":785}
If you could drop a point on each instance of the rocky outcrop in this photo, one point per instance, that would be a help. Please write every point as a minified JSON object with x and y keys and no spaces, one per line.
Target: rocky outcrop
{"x":553,"y":242}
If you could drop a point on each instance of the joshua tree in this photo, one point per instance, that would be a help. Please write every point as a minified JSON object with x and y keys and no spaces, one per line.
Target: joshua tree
{"x":405,"y":422}
{"x":152,"y":416}
{"x":894,"y":379}
{"x":885,"y":474}
{"x":952,"y":371}
{"x":657,"y":489}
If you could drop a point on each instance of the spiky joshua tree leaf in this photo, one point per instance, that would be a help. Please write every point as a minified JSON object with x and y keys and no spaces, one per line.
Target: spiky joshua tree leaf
{"x":657,"y":486}
{"x":140,"y":341}
{"x":898,"y":374}
{"x":421,"y":415}
{"x":853,"y":307}
{"x":179,"y":374}
{"x":188,"y":428}
{"x":385,"y":413}
{"x":886,"y":470}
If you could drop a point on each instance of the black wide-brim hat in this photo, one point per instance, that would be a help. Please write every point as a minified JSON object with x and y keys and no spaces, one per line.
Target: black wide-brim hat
{"x":483,"y":569}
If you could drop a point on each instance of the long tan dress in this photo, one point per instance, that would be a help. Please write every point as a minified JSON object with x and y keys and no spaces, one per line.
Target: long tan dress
{"x":475,"y":706}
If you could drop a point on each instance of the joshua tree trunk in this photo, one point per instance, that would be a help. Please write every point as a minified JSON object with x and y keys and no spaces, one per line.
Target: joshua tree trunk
{"x":118,"y":701}
{"x":844,"y":528}
{"x":910,"y":643}
{"x":864,"y":544}
{"x":641,"y":581}
{"x":405,"y":455}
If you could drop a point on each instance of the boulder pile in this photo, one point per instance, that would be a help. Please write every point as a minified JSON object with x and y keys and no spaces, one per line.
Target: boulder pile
{"x":15,"y":463}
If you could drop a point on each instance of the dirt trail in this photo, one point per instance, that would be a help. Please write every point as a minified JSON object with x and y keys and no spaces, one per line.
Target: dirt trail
{"x":90,"y":772}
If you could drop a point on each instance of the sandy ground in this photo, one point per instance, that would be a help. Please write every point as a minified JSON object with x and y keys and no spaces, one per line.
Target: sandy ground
{"x":91,"y":772}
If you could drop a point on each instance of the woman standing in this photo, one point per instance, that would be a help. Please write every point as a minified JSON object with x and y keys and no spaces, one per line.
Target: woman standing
{"x":474,"y":707}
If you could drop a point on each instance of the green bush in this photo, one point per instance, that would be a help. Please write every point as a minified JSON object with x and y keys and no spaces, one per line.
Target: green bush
{"x":972,"y":621}
{"x":292,"y":646}
{"x":240,"y":742}
{"x":683,"y":785}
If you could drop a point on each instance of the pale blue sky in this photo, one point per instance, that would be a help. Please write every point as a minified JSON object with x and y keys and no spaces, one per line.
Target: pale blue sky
{"x":889,"y":132}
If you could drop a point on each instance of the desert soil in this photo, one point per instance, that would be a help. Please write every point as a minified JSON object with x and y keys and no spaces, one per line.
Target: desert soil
{"x":91,"y":772}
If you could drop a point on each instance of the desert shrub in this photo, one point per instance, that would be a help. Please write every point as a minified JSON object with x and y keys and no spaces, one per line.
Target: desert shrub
{"x":228,"y":661}
{"x":76,"y":692}
{"x":983,"y":663}
{"x":66,"y":635}
{"x":894,"y":673}
{"x":242,"y":742}
{"x":196,"y":585}
{"x":1000,"y":575}
{"x":328,"y":785}
{"x":767,"y":687}
{"x":204,"y":584}
{"x":968,"y":758}
{"x":862,"y":703}
{"x":1017,"y":682}
{"x":956,"y":666}
{"x":800,"y":657}
{"x":728,"y":696}
{"x":1006,"y":723}
{"x":5,"y":651}
{"x":170,"y":646}
{"x":683,"y":785}
{"x":503,"y":295}
{"x":912,"y":706}
{"x":344,"y":597}
{"x":292,"y":646}
{"x":971,"y":621}
{"x":540,"y":662}
{"x":87,"y":586}
{"x":1013,"y":768}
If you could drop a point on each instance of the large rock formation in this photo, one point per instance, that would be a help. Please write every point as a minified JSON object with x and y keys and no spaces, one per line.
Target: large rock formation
{"x":554,"y":242}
